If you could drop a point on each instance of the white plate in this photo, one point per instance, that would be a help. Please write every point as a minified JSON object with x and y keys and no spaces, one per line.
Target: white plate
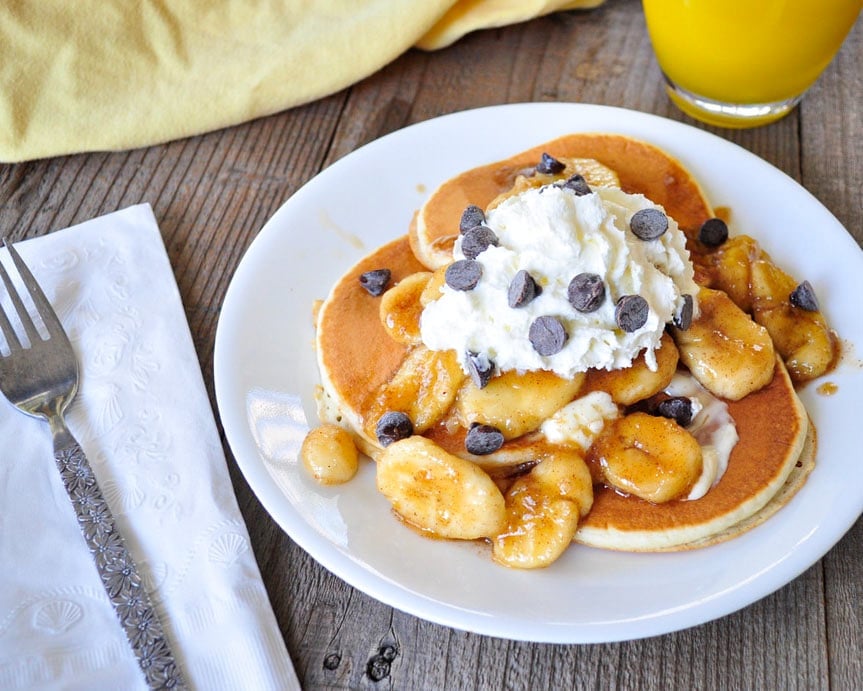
{"x":265,"y":374}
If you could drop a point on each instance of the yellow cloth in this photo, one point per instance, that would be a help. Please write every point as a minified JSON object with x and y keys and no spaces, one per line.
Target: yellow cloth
{"x":87,"y":75}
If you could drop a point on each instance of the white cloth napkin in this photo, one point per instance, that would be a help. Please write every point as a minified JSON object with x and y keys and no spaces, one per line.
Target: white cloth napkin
{"x":144,"y":420}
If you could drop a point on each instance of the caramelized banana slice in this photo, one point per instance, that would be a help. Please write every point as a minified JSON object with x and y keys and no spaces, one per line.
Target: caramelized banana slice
{"x":651,"y":457}
{"x":753,"y":281}
{"x":329,"y":454}
{"x":433,"y":287}
{"x":801,"y":337}
{"x":424,"y":387}
{"x":542,"y":511}
{"x":728,"y":353}
{"x":730,"y":268}
{"x":515,"y":403}
{"x":439,"y":493}
{"x":401,"y":307}
{"x":637,"y":382}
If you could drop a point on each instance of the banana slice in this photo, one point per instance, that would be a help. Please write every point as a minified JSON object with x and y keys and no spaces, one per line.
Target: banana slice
{"x":637,"y":382}
{"x":401,"y":307}
{"x":516,"y":403}
{"x":650,"y":457}
{"x":802,"y":338}
{"x":330,"y":455}
{"x":433,"y":288}
{"x":439,"y":493}
{"x":730,"y":268}
{"x":543,"y":509}
{"x":757,"y":285}
{"x":728,"y":353}
{"x":424,"y":387}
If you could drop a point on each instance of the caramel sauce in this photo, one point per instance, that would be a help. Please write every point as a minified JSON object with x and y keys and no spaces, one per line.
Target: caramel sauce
{"x":828,"y":388}
{"x":847,"y":354}
{"x":723,"y":212}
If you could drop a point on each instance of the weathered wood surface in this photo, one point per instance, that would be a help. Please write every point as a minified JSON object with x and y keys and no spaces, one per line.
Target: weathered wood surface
{"x":213,"y":193}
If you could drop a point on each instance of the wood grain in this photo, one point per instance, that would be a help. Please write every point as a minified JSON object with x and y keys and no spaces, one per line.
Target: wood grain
{"x":212,"y":194}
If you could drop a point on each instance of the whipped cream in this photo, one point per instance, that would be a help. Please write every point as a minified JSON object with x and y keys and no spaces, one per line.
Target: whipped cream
{"x":554,"y":235}
{"x":580,"y":421}
{"x":713,"y":428}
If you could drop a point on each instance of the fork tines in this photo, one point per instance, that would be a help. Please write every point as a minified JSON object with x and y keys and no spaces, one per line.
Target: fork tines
{"x":43,"y":307}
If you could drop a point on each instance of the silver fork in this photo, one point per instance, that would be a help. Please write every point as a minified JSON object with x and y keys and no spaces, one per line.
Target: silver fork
{"x":41,"y":380}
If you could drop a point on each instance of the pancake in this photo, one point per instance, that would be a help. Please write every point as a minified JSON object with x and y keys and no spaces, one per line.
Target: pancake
{"x":356,"y":357}
{"x":640,"y":168}
{"x":776,"y":440}
{"x":355,"y":354}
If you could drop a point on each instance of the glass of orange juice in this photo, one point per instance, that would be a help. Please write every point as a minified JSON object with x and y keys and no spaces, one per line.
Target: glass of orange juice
{"x":741,"y":63}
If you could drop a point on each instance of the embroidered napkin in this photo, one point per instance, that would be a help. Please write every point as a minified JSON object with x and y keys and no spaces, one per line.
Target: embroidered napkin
{"x":116,"y":74}
{"x":144,"y":420}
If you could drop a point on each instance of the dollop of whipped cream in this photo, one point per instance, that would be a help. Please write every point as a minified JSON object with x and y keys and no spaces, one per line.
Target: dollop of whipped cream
{"x":554,"y":235}
{"x":713,"y":428}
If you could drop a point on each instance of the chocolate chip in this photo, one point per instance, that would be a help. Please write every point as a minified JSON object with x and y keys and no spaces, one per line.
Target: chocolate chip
{"x":480,"y":368}
{"x":547,"y":335}
{"x":477,"y":240}
{"x":803,"y":296}
{"x":713,"y":232}
{"x":586,"y":292}
{"x":482,"y":440}
{"x":631,"y":312}
{"x":375,"y":282}
{"x":463,"y":274}
{"x":549,"y":165}
{"x":677,"y":408}
{"x":522,"y":289}
{"x":648,"y":224}
{"x":578,"y":185}
{"x":393,"y":426}
{"x":683,"y":318}
{"x":471,"y":217}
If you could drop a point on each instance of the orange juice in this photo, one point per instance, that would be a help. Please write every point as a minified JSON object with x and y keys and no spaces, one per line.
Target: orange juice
{"x":746,"y":52}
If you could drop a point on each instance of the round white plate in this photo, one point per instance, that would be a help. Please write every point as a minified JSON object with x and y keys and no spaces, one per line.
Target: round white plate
{"x":265,"y":375}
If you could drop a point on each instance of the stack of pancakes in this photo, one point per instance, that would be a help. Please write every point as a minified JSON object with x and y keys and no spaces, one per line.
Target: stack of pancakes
{"x":356,"y":356}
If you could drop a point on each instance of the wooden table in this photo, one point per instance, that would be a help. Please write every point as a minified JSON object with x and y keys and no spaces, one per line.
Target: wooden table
{"x":212,"y":194}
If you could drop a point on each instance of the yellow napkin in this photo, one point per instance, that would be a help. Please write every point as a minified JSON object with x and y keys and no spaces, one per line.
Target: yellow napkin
{"x":116,"y":74}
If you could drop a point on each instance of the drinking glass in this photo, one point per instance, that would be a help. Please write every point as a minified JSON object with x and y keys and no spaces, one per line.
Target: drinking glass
{"x":741,"y":63}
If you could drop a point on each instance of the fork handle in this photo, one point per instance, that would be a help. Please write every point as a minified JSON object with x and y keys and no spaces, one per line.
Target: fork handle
{"x":117,"y":569}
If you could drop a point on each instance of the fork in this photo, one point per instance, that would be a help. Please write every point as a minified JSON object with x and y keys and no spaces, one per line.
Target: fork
{"x":40,"y":378}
